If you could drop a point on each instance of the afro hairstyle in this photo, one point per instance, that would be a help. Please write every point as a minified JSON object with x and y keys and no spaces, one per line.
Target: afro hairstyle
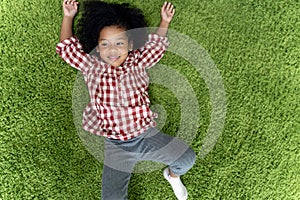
{"x":98,"y":14}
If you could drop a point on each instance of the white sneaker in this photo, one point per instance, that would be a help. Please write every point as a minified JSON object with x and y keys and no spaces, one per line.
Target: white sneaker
{"x":177,"y":186}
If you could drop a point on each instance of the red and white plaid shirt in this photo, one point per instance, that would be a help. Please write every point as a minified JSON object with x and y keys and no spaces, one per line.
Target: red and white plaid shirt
{"x":119,"y":101}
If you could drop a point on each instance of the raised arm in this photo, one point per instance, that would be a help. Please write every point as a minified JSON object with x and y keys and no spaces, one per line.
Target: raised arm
{"x":167,"y":12}
{"x":70,"y":49}
{"x":70,"y":8}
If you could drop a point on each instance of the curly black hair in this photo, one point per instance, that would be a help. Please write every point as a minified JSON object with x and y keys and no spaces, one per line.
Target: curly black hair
{"x":98,"y":14}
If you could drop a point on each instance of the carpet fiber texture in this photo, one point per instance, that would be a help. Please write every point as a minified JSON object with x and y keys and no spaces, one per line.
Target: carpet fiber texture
{"x":255,"y":47}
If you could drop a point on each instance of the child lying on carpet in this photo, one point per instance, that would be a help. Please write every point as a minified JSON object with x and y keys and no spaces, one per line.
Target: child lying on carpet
{"x":117,"y":80}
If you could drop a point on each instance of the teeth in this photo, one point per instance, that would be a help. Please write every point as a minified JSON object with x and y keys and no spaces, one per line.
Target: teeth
{"x":113,"y":57}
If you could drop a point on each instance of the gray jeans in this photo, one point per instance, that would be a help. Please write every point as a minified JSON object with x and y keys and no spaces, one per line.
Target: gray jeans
{"x":121,"y":157}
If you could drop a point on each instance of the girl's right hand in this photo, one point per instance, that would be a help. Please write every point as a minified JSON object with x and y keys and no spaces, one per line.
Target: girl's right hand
{"x":70,"y":8}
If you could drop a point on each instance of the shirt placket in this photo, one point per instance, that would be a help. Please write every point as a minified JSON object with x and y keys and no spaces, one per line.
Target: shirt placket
{"x":119,"y":85}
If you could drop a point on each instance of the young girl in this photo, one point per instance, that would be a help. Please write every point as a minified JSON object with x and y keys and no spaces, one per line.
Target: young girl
{"x":119,"y":107}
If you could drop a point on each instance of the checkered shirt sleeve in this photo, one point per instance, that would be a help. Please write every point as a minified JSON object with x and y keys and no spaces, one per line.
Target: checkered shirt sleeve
{"x":153,"y":50}
{"x":70,"y":50}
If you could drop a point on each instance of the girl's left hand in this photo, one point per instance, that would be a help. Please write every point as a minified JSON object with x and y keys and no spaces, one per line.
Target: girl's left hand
{"x":167,"y":12}
{"x":70,"y":8}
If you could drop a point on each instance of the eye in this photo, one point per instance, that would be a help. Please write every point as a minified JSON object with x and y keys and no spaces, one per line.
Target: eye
{"x":120,"y":43}
{"x":104,"y":44}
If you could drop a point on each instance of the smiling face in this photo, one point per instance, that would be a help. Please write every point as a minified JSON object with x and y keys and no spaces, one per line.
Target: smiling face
{"x":113,"y":45}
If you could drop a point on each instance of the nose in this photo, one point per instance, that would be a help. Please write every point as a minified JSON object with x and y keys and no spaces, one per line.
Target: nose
{"x":112,"y":48}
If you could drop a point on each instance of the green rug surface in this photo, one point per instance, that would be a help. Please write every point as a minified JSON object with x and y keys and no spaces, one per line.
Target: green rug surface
{"x":255,"y":47}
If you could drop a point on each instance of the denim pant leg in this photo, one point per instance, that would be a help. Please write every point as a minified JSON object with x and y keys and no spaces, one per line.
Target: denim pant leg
{"x":117,"y":169}
{"x":121,"y":156}
{"x":114,"y":184}
{"x":163,"y":148}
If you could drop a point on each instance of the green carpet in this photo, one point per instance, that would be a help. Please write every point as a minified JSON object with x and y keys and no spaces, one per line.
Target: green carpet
{"x":254,"y":44}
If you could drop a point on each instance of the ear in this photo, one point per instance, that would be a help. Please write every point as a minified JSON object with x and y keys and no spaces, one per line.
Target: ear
{"x":130,"y":45}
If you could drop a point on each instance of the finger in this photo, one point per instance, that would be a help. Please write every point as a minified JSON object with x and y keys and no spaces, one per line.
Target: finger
{"x":169,"y":6}
{"x":164,"y":6}
{"x":171,"y":9}
{"x":68,"y":2}
{"x":173,"y":12}
{"x":72,"y":2}
{"x":76,"y":5}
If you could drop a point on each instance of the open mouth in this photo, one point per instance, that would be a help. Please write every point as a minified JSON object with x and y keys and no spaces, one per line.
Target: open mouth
{"x":113,"y":58}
